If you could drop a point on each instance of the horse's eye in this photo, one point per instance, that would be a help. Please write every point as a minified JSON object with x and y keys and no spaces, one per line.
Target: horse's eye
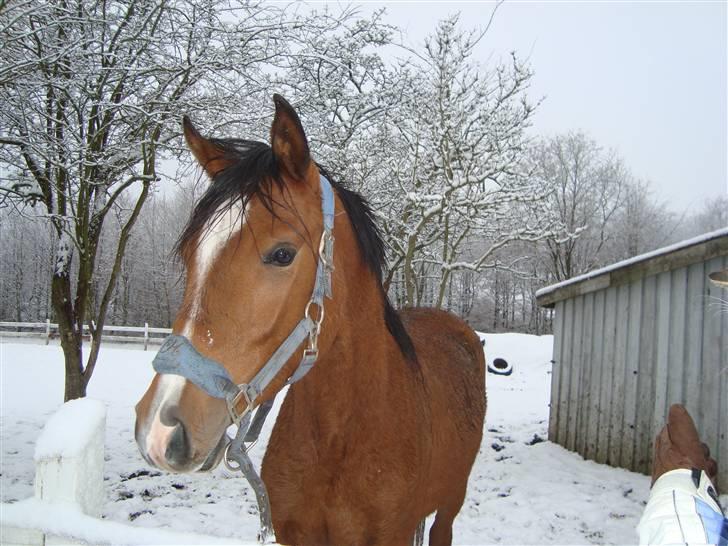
{"x":281,"y":256}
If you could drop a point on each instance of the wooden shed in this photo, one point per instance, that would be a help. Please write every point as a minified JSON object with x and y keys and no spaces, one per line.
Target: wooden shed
{"x":631,"y":339}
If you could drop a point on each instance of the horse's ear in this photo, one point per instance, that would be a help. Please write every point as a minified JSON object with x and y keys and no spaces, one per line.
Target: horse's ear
{"x":288,"y":140}
{"x":209,"y":156}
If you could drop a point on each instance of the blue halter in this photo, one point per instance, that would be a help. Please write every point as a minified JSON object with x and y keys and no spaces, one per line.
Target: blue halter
{"x":178,"y":356}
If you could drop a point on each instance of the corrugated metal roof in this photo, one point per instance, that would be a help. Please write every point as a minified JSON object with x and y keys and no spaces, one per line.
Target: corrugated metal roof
{"x":709,"y":245}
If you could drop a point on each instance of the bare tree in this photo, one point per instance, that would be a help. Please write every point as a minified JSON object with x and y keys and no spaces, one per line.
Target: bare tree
{"x":25,"y":266}
{"x":149,"y":289}
{"x":476,"y":219}
{"x":586,"y":188}
{"x":456,"y":171}
{"x":92,"y":96}
{"x":640,"y":224}
{"x":713,"y":215}
{"x":434,"y":141}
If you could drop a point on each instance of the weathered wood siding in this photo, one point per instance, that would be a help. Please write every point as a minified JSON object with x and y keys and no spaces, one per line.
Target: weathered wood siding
{"x":623,"y":354}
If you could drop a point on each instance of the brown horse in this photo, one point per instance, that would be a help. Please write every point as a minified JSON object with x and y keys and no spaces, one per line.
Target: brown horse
{"x":385,"y":428}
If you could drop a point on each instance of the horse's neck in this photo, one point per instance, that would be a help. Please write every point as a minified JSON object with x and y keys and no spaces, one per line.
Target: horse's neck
{"x":361,"y":366}
{"x":353,"y":378}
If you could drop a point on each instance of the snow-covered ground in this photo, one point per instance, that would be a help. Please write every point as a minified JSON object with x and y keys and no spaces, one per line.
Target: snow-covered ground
{"x":522,"y":489}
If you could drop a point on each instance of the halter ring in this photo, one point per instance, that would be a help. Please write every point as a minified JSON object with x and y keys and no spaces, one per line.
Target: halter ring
{"x":319,"y":319}
{"x":228,"y":462}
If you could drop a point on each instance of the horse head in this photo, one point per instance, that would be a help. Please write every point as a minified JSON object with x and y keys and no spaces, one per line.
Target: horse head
{"x":251,"y":252}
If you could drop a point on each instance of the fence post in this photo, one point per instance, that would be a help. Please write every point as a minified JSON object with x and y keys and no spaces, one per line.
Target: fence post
{"x":48,"y":330}
{"x":146,"y":335}
{"x":73,"y":471}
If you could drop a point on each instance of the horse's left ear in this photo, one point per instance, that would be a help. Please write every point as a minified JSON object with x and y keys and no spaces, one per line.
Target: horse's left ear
{"x":288,"y":140}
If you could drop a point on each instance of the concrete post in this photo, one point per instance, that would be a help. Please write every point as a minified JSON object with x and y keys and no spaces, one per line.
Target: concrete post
{"x":69,"y":456}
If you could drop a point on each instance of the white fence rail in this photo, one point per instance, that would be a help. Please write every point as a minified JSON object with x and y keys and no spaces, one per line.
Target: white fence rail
{"x":124,"y":334}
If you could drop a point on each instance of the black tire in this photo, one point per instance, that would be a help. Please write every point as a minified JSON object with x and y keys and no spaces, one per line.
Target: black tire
{"x":500,"y":366}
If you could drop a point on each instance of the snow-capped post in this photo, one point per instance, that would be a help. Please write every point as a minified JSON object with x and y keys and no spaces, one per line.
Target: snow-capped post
{"x":69,"y":456}
{"x":48,"y":330}
{"x":146,"y":335}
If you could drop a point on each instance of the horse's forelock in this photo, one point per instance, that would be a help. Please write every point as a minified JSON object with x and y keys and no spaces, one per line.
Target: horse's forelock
{"x":251,"y":173}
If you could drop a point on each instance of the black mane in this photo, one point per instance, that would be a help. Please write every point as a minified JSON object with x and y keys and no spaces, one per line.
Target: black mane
{"x":252,"y":173}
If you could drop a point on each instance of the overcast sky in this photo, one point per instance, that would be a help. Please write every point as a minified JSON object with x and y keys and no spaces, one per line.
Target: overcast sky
{"x":645,"y":78}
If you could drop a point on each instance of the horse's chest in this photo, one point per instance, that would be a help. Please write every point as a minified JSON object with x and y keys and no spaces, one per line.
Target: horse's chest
{"x":336,"y":488}
{"x":320,"y":503}
{"x":308,"y":477}
{"x":322,"y":497}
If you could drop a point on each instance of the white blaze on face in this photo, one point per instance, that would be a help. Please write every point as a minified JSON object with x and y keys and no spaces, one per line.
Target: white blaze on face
{"x":221,"y":227}
{"x":216,"y":233}
{"x":169,"y":390}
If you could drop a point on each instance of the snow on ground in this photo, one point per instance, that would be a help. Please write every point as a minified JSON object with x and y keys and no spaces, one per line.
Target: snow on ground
{"x":522,"y":489}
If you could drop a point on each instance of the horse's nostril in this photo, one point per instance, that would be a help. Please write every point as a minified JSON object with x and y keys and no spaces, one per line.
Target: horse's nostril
{"x":178,"y":448}
{"x":168,"y":415}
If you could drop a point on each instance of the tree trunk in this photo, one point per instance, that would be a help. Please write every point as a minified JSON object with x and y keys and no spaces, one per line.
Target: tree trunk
{"x":71,"y":339}
{"x":409,"y":277}
{"x":496,"y":306}
{"x":444,"y":284}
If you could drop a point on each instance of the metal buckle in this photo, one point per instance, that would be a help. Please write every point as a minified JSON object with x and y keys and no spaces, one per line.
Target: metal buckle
{"x":325,"y":249}
{"x":311,"y":352}
{"x":232,"y":404}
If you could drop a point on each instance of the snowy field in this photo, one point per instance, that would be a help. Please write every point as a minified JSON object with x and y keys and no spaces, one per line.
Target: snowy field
{"x":523,"y":490}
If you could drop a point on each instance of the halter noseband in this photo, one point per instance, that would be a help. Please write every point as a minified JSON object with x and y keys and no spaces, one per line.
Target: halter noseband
{"x":178,"y":356}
